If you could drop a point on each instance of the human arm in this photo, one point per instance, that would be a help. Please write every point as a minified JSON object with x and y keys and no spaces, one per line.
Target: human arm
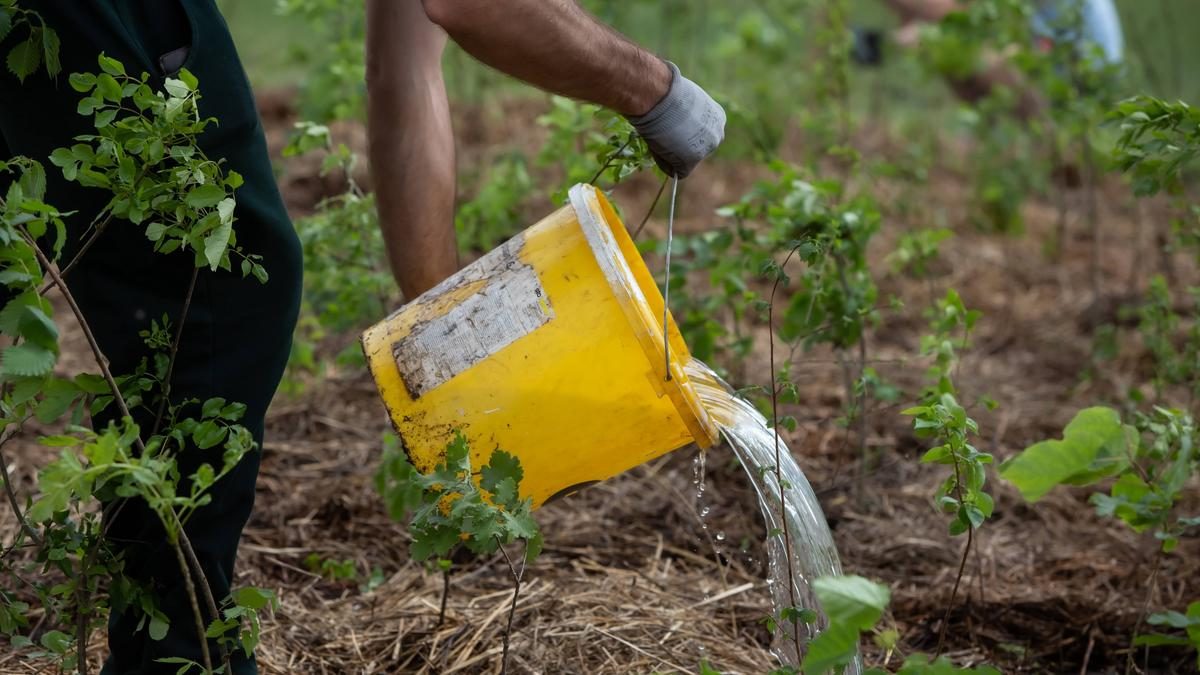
{"x":557,"y":46}
{"x":552,"y":44}
{"x":411,"y":148}
{"x":993,"y":71}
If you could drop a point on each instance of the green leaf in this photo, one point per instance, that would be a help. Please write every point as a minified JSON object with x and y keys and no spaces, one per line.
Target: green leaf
{"x":939,"y":455}
{"x":204,"y":476}
{"x":1094,"y":445}
{"x":6,"y":23}
{"x":56,"y":641}
{"x":533,"y":547}
{"x":189,"y":79}
{"x":216,"y":243}
{"x":82,"y":82}
{"x":833,"y":648}
{"x":254,"y":598}
{"x":205,"y":196}
{"x":501,"y":466}
{"x":27,"y":360}
{"x":212,"y":407}
{"x":233,"y":412}
{"x":33,"y":182}
{"x":24,"y":59}
{"x":88,"y":105}
{"x":176,"y":88}
{"x":504,"y":493}
{"x":1172,"y":618}
{"x":853,"y":604}
{"x":111,"y":65}
{"x":92,"y":384}
{"x":919,"y":664}
{"x":458,"y":454}
{"x":108,"y":88}
{"x":38,"y":328}
{"x":57,"y":398}
{"x":158,"y":627}
{"x":50,"y":49}
{"x":225,"y":209}
{"x":436,"y":542}
{"x":209,"y":434}
{"x":1160,"y":640}
{"x":103,"y":451}
{"x":852,"y":599}
{"x":220,"y":627}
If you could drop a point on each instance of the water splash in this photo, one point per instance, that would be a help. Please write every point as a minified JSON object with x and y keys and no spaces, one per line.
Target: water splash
{"x":814,"y":553}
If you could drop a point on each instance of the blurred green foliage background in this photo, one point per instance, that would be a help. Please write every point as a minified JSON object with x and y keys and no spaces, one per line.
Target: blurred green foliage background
{"x":1160,"y":37}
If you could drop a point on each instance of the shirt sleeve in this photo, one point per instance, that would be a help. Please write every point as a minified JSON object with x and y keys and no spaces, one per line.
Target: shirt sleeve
{"x":1102,"y":26}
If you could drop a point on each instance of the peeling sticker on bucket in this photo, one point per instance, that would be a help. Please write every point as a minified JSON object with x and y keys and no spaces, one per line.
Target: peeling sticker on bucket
{"x":509,"y":306}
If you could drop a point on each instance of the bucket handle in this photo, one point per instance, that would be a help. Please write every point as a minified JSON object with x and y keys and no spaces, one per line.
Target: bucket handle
{"x":667,"y":279}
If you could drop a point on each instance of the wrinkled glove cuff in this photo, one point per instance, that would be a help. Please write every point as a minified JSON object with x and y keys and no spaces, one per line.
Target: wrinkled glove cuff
{"x":683,"y":128}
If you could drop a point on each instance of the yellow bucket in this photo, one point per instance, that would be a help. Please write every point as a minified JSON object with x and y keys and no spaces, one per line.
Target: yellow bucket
{"x":549,"y":347}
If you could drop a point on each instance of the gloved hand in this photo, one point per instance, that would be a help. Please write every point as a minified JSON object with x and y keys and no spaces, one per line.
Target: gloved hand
{"x":684,"y":127}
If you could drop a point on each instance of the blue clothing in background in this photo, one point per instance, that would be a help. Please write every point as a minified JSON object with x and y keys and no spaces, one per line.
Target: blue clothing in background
{"x":1101,"y":25}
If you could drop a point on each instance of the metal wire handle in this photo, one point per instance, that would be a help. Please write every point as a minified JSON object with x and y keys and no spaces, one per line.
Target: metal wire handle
{"x":667,"y":282}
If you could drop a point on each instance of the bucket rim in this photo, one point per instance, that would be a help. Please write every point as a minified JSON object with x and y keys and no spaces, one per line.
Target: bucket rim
{"x":605,"y":233}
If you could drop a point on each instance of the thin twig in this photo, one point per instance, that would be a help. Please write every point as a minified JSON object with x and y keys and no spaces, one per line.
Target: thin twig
{"x":82,"y":622}
{"x":96,"y":232}
{"x":1137,"y":628}
{"x":650,"y":211}
{"x":87,"y":245}
{"x":512,"y":610}
{"x":166,"y":385}
{"x":191,"y":592}
{"x":787,"y":538}
{"x":608,"y":162}
{"x":11,"y":491}
{"x":962,"y":565}
{"x":1087,"y":654}
{"x":856,"y":402}
{"x":87,"y":332}
{"x":198,"y":572}
{"x":445,"y":595}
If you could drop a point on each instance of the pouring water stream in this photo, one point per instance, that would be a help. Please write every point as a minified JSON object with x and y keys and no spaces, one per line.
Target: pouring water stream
{"x":814,"y":553}
{"x":800,"y":547}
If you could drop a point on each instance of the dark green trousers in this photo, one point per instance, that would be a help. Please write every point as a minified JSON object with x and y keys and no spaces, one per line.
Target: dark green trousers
{"x":238,"y":332}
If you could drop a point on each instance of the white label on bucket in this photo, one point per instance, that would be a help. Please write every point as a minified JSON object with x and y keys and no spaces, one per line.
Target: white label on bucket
{"x":509,"y":306}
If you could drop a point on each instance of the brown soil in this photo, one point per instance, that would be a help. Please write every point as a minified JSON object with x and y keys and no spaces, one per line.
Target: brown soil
{"x":632,"y":580}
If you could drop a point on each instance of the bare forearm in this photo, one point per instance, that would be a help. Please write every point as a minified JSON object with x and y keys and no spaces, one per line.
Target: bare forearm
{"x":557,"y":46}
{"x":411,"y":146}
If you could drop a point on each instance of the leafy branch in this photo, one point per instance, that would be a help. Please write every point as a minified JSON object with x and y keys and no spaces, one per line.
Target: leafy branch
{"x":144,"y":152}
{"x":452,"y":506}
{"x":41,"y":43}
{"x":942,"y":418}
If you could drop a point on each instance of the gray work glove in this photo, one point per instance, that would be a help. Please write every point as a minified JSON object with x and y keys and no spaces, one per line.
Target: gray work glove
{"x":684,"y":128}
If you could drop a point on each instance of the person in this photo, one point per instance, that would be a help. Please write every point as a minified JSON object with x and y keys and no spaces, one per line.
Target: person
{"x":237,"y":334}
{"x":1099,"y":27}
{"x":552,"y":44}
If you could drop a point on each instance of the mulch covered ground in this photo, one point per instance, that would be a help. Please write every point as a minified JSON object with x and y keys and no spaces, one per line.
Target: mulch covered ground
{"x":634,"y":580}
